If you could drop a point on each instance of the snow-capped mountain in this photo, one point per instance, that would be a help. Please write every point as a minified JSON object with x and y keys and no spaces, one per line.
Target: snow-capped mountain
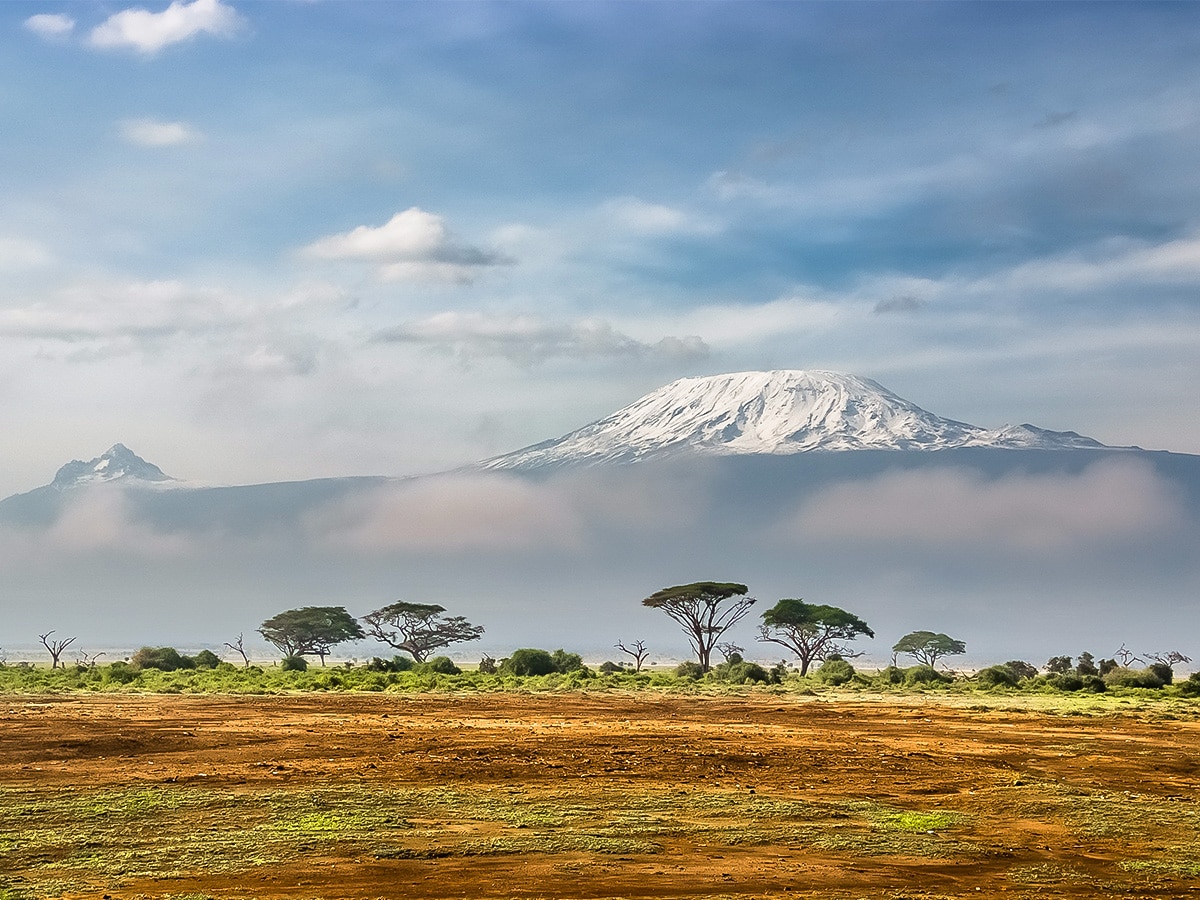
{"x":781,"y":412}
{"x":117,"y":463}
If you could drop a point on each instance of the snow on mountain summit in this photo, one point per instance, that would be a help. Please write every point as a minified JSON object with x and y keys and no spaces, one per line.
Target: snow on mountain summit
{"x":780,"y":412}
{"x":117,"y":463}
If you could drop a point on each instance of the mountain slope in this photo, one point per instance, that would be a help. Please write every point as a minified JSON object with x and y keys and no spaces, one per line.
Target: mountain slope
{"x":779,"y":412}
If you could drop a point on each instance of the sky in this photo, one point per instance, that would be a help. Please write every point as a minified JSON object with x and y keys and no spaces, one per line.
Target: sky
{"x":268,"y":241}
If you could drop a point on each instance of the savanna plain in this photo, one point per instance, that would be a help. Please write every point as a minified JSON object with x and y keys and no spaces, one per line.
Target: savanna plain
{"x":589,"y":794}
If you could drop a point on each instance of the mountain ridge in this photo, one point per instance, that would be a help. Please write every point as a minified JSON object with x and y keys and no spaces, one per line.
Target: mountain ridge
{"x":778,"y":412}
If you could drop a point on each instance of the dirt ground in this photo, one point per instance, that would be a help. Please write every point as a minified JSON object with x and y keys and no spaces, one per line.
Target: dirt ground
{"x":592,"y":795}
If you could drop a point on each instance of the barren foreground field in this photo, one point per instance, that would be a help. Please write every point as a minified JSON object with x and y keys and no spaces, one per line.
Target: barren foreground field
{"x":575,"y":795}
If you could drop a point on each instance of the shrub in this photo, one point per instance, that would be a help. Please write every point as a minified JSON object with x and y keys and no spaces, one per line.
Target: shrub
{"x":294,"y":664}
{"x":165,"y":659}
{"x":1162,"y":672}
{"x":689,"y":669}
{"x":206,"y":659}
{"x":608,"y":667}
{"x":1107,"y":665}
{"x":487,"y":666}
{"x":739,"y":671}
{"x":891,"y":675}
{"x":567,"y":662}
{"x":1021,"y":669}
{"x":119,"y":673}
{"x":1135,"y":678}
{"x":439,"y":665}
{"x":1191,"y":687}
{"x":835,"y":671}
{"x":778,"y":672}
{"x":528,"y":661}
{"x":996,"y":676}
{"x":1086,"y":665}
{"x":1065,"y":681}
{"x":925,"y":675}
{"x":395,"y":664}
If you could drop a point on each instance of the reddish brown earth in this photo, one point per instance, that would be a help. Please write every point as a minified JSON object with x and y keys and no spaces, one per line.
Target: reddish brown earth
{"x":590,"y":795}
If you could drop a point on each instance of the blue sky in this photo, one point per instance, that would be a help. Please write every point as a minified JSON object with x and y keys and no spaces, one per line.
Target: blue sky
{"x":261,"y":241}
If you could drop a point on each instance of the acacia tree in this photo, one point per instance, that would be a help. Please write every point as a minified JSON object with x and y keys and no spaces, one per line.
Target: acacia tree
{"x":310,"y":629}
{"x":927,"y":648}
{"x":705,"y":610}
{"x":419,"y":628}
{"x":55,"y":647}
{"x":811,"y":631}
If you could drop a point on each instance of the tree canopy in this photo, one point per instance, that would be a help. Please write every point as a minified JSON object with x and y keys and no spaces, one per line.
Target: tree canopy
{"x":927,"y":648}
{"x":811,"y":631}
{"x":705,"y":610}
{"x":310,"y":629}
{"x":419,"y":628}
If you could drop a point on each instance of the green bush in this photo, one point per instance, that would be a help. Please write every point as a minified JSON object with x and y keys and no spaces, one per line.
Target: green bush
{"x":206,"y":659}
{"x":996,"y":676}
{"x":689,"y":669}
{"x":915,"y":675}
{"x":740,"y":672}
{"x":1162,"y":672}
{"x":1191,"y":687}
{"x":395,"y":664}
{"x":165,"y":659}
{"x":487,"y":666}
{"x":528,"y":661}
{"x":294,"y":664}
{"x":118,"y":673}
{"x":608,"y":667}
{"x":1065,"y":681}
{"x":439,"y":665}
{"x":891,"y":675}
{"x":567,"y":662}
{"x":835,"y":671}
{"x":1134,"y":678}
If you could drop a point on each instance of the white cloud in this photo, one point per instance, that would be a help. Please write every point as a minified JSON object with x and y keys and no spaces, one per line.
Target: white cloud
{"x":641,"y":217}
{"x":50,"y":25}
{"x":21,"y":253}
{"x":148,"y":32}
{"x":153,"y":133}
{"x":530,"y":339}
{"x":412,"y":245}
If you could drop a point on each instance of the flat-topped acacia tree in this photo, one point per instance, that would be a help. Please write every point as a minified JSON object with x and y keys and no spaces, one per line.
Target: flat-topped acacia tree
{"x":810,"y":630}
{"x":927,"y":648}
{"x":419,"y":628}
{"x":705,"y":610}
{"x":310,"y":629}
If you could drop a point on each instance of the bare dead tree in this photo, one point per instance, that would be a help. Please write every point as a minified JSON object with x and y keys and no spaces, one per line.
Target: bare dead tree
{"x":1126,"y":657}
{"x":1169,"y":658}
{"x":240,"y":648}
{"x":728,"y":649}
{"x":55,"y":648}
{"x":89,"y":661}
{"x":637,"y":650}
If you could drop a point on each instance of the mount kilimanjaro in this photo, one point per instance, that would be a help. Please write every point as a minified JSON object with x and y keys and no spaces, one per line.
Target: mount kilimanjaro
{"x":800,"y":484}
{"x":777,"y":413}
